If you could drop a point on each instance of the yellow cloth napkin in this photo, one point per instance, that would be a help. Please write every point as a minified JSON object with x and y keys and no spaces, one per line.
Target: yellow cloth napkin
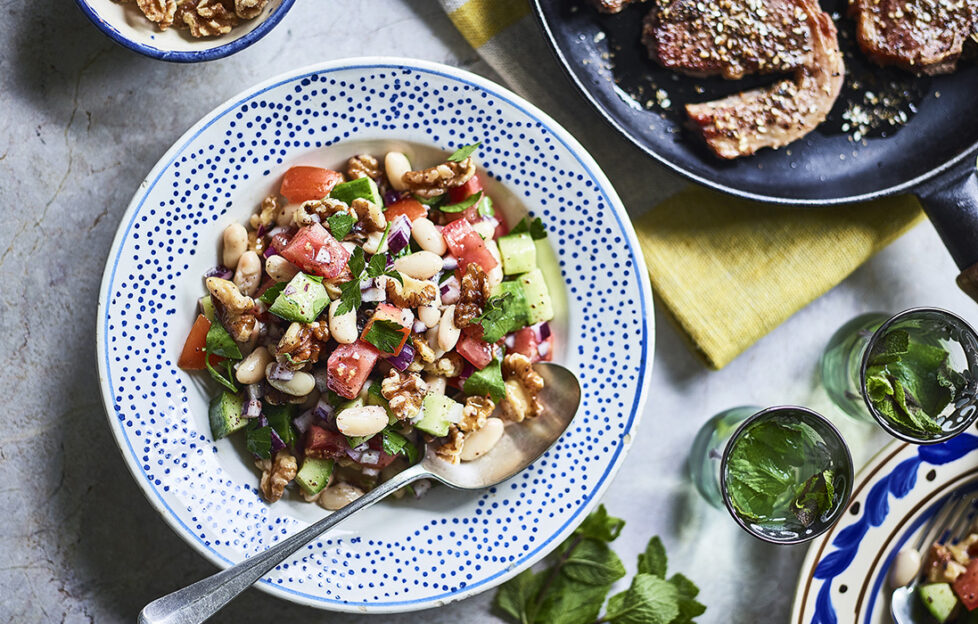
{"x":728,"y":270}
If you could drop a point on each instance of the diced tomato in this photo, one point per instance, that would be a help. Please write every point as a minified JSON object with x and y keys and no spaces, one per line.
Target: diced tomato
{"x":314,"y":250}
{"x":348,"y":367}
{"x":466,"y":245}
{"x":457,"y":194}
{"x":281,"y":240}
{"x":410,"y":208}
{"x":390,"y":312}
{"x":473,"y":348}
{"x":502,"y":228}
{"x":322,"y":443}
{"x":527,"y":344}
{"x":404,"y":331}
{"x":301,"y":184}
{"x":966,"y":586}
{"x":192,"y":355}
{"x":383,"y":460}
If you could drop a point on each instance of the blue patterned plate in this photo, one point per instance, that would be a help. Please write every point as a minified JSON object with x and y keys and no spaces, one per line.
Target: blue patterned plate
{"x":400,"y":555}
{"x":843,"y":578}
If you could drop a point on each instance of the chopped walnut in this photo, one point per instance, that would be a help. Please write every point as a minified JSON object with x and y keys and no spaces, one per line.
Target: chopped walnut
{"x":437,"y":180}
{"x":302,"y":344}
{"x":449,"y":365}
{"x":451,"y":450}
{"x":209,"y":19}
{"x":362,"y":166}
{"x":473,"y":295}
{"x":256,"y":243}
{"x":477,"y":409}
{"x":422,"y":349}
{"x":161,"y":12}
{"x":523,"y":385}
{"x":267,"y":214}
{"x":318,"y":210}
{"x":404,"y":392}
{"x":276,"y":475}
{"x":235,"y":310}
{"x":412,"y":294}
{"x":370,"y":215}
{"x":249,"y":9}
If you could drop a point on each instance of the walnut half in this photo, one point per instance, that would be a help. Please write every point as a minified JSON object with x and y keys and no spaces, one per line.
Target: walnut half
{"x":477,"y":409}
{"x":437,"y":180}
{"x":275,"y":475}
{"x":235,"y":310}
{"x":451,"y":451}
{"x":302,"y":344}
{"x":523,"y":386}
{"x":404,"y":392}
{"x":473,"y":295}
{"x":412,"y":294}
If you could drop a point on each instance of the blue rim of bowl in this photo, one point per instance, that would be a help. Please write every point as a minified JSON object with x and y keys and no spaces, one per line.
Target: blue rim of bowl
{"x":174,"y":56}
{"x":580,"y":154}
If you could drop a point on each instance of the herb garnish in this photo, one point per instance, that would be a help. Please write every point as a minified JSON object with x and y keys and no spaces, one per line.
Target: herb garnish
{"x":488,"y":381}
{"x":387,"y":336}
{"x":219,"y":342}
{"x":350,"y":291}
{"x":573,"y":588}
{"x":259,"y":440}
{"x":485,"y":207}
{"x":493,"y":319}
{"x":534,"y":227}
{"x":464,"y":152}
{"x":272,"y":292}
{"x":466,"y":203}
{"x":340,"y":224}
{"x":814,"y":498}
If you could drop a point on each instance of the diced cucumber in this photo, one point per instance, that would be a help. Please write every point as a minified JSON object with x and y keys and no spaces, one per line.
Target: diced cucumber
{"x":225,"y":414}
{"x":302,"y":300}
{"x":518,"y":252}
{"x":363,"y":188}
{"x":488,"y":381}
{"x":939,"y":599}
{"x":374,"y":397}
{"x":314,"y":474}
{"x":537,"y":297}
{"x":438,"y":412}
{"x":207,"y":308}
{"x":515,"y":309}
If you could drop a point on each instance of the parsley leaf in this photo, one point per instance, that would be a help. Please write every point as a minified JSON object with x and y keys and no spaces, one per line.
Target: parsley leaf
{"x":466,"y":203}
{"x":464,"y":152}
{"x":494,"y":320}
{"x":488,"y":381}
{"x":272,"y":292}
{"x":349,"y":297}
{"x":377,"y":265}
{"x":356,"y":263}
{"x":534,"y":227}
{"x":387,"y":336}
{"x":340,"y":224}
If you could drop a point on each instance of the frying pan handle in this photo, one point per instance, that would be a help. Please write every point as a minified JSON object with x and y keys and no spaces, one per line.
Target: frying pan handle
{"x":951,"y":202}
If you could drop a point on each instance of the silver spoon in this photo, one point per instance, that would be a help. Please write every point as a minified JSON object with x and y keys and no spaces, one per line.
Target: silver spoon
{"x":519,"y":447}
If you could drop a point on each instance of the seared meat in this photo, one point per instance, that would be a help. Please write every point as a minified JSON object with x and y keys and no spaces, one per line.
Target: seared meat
{"x":923,"y":36}
{"x":774,"y":116}
{"x":731,"y":38}
{"x":612,"y":6}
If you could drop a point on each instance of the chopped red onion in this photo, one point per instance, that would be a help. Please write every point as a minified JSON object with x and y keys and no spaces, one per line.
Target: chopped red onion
{"x":391,"y":197}
{"x":370,"y":457}
{"x":269,"y":252}
{"x":220,"y":271}
{"x":304,"y":421}
{"x":399,"y":235}
{"x":373,"y":294}
{"x":255,"y":391}
{"x":280,"y":373}
{"x":370,"y":472}
{"x":510,"y":342}
{"x":542,"y":330}
{"x":467,"y":370}
{"x":261,"y":230}
{"x":450,"y":291}
{"x":419,"y":327}
{"x":367,"y":282}
{"x":277,"y":230}
{"x":449,"y":263}
{"x":543,"y":349}
{"x":252,"y":409}
{"x":323,"y":255}
{"x":403,"y":359}
{"x":277,"y":443}
{"x":389,"y":263}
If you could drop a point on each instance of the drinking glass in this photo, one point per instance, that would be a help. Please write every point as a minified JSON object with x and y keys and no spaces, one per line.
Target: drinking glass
{"x":784,"y":473}
{"x":913,"y":372}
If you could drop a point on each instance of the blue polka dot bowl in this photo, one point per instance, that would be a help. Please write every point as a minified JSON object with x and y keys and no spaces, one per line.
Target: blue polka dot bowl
{"x":125,"y":24}
{"x":406,"y":554}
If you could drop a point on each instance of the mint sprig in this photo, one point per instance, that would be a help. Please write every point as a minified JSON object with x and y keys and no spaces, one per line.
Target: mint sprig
{"x":464,"y":152}
{"x":573,"y":588}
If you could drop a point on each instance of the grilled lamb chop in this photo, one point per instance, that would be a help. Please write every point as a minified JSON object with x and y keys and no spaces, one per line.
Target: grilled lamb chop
{"x":922,"y":36}
{"x":731,"y":38}
{"x":612,"y":6}
{"x":774,"y":116}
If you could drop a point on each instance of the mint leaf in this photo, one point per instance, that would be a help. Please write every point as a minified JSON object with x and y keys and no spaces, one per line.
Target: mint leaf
{"x":387,"y":336}
{"x":393,"y":442}
{"x":272,"y":292}
{"x":219,"y":377}
{"x":688,"y":607}
{"x":431,"y":202}
{"x":653,"y":561}
{"x":259,"y":441}
{"x":340,"y":224}
{"x":814,"y":498}
{"x":219,"y":342}
{"x":466,"y":203}
{"x":593,"y":563}
{"x":534,"y":227}
{"x":494,"y":321}
{"x":649,"y":600}
{"x":571,"y":602}
{"x":600,"y":526}
{"x":516,"y":596}
{"x":464,"y":152}
{"x":280,"y":419}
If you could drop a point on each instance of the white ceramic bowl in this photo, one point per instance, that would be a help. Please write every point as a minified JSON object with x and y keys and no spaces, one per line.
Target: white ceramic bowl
{"x":403,"y":555}
{"x":127,"y":26}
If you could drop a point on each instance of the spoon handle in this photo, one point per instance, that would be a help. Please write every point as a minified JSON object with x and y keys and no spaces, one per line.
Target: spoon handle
{"x":195,"y":603}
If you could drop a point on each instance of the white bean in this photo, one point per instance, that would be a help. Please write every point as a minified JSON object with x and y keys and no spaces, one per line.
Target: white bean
{"x":495,"y":275}
{"x":347,"y":245}
{"x":252,"y":368}
{"x":427,"y":236}
{"x":342,"y":327}
{"x":429,"y":315}
{"x":420,"y":265}
{"x":338,"y":496}
{"x":235,"y":243}
{"x":431,"y":336}
{"x":480,"y":442}
{"x":447,"y":332}
{"x":397,"y":164}
{"x":485,"y":228}
{"x":372,"y":244}
{"x":904,"y":568}
{"x":361,"y":421}
{"x":436,"y":384}
{"x":301,"y":383}
{"x":280,"y":269}
{"x":248,"y":275}
{"x":286,"y":214}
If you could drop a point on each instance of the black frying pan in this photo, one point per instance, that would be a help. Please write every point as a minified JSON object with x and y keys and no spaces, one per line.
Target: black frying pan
{"x":932,"y":155}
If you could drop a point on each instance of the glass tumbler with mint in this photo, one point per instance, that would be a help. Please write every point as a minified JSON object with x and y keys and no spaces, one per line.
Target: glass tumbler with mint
{"x":784,"y":473}
{"x":913,"y":372}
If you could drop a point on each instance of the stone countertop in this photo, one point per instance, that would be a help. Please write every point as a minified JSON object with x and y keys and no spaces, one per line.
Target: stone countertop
{"x":83,"y":122}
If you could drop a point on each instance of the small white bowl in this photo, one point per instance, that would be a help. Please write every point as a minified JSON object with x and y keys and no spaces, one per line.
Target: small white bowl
{"x":127,"y":26}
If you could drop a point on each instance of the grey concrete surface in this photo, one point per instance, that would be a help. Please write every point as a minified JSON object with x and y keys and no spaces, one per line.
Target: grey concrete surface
{"x":81,"y":123}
